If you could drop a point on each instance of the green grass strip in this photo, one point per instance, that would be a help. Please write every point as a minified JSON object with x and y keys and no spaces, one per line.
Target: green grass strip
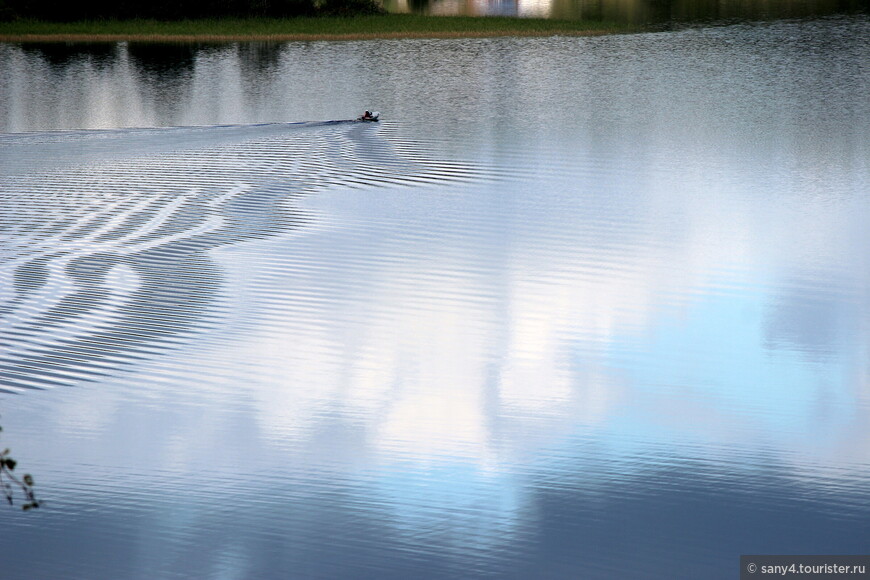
{"x":317,"y":28}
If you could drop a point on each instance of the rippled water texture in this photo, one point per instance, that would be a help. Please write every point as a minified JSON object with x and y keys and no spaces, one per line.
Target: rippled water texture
{"x":577,"y":308}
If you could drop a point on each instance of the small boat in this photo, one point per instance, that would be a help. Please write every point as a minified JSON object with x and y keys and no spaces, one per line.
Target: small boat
{"x":369,"y":116}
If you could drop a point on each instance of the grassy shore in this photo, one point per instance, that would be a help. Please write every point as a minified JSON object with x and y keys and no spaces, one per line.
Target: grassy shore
{"x":319,"y":28}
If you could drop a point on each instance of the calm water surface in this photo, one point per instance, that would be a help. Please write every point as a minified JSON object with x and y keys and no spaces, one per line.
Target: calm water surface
{"x":577,"y":308}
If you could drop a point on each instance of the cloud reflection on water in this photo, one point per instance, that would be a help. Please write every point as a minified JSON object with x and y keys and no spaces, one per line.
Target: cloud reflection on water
{"x":414,"y":319}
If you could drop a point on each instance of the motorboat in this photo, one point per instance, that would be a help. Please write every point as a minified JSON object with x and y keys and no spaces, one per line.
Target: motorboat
{"x":369,"y":116}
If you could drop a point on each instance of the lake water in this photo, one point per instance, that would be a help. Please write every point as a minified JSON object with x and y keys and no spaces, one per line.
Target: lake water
{"x":576,"y":308}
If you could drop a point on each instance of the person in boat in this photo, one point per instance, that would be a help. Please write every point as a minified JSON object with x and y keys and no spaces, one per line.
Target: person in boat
{"x":367,"y":116}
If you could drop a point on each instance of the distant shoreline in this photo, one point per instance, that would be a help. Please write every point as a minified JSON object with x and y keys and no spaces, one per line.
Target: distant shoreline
{"x":392,"y":26}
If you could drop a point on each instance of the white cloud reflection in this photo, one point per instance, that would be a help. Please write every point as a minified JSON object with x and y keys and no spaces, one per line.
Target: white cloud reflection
{"x":448,"y":342}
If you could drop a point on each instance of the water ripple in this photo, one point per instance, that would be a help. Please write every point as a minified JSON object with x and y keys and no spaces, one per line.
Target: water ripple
{"x":105,"y":250}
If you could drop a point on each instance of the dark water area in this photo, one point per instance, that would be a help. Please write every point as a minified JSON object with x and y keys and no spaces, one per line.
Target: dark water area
{"x":575,"y":308}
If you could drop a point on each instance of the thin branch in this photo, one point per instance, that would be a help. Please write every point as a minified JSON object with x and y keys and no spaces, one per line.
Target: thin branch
{"x":25,"y":483}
